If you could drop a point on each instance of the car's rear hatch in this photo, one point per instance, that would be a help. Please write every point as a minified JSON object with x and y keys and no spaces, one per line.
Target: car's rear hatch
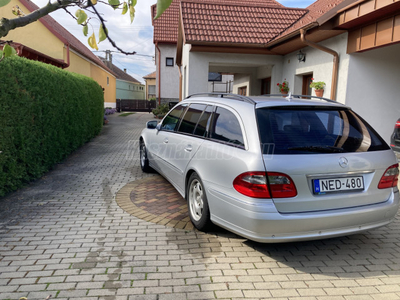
{"x":335,"y":159}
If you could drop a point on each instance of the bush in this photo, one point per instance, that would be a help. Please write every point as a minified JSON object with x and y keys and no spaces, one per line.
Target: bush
{"x":161,"y":110}
{"x":45,"y":114}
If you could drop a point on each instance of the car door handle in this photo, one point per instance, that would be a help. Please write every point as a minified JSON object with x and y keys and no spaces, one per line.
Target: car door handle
{"x":188,"y":148}
{"x":165,"y":141}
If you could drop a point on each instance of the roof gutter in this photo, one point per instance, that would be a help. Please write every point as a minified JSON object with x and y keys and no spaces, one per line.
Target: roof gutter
{"x":335,"y":69}
{"x":290,"y":35}
{"x":159,"y":74}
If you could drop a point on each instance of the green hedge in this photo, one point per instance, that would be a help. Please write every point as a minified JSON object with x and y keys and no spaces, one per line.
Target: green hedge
{"x":45,"y":114}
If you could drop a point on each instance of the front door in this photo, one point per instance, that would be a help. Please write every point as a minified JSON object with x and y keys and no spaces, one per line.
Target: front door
{"x":266,"y":86}
{"x":307,"y":79}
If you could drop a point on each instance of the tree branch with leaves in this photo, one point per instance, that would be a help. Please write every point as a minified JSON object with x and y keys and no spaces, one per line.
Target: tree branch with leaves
{"x":81,"y":15}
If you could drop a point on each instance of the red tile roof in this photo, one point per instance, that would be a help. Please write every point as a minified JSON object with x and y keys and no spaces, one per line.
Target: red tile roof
{"x":65,"y":36}
{"x":151,"y":75}
{"x":316,"y":10}
{"x":166,"y":26}
{"x":235,"y":23}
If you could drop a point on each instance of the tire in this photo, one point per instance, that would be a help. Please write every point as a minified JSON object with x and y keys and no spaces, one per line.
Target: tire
{"x":199,"y":211}
{"x":144,"y":161}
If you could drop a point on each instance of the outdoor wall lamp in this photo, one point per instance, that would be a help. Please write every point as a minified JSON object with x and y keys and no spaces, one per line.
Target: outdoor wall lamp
{"x":301,"y":56}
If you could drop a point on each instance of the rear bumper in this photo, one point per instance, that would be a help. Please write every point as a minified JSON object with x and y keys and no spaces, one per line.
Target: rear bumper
{"x":266,"y":225}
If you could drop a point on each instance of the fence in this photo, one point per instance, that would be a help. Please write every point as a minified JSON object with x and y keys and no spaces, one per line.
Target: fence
{"x":135,"y":105}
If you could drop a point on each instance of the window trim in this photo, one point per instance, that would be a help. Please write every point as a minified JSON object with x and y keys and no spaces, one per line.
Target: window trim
{"x":244,"y":147}
{"x":210,"y":125}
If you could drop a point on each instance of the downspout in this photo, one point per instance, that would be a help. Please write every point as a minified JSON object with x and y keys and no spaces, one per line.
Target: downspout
{"x":335,"y":69}
{"x":68,"y":61}
{"x":159,"y":74}
{"x":180,"y":83}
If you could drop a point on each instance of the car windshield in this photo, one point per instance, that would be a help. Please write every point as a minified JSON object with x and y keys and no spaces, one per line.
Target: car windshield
{"x":310,"y":130}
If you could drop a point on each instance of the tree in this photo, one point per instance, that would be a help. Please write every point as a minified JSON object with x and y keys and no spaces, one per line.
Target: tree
{"x":84,"y":7}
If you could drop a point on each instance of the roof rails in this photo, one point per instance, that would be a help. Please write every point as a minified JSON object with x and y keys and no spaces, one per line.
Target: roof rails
{"x":224,"y":95}
{"x":305,"y":97}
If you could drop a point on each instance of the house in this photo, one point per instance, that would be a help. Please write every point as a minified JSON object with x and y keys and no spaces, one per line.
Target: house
{"x":49,"y":42}
{"x":351,"y":45}
{"x":150,"y":80}
{"x":165,"y":38}
{"x":127,"y":87}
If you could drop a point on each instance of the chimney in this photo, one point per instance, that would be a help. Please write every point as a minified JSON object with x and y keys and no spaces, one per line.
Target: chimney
{"x":108,"y":56}
{"x":125,"y":70}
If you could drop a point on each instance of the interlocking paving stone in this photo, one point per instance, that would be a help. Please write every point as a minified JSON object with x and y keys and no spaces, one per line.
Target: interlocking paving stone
{"x":65,"y":235}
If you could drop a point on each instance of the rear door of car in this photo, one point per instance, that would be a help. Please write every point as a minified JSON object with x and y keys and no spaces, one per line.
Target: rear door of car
{"x":184,"y":143}
{"x":335,"y":159}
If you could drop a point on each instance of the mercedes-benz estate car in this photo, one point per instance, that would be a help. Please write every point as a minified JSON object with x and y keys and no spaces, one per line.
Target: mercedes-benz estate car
{"x":272,"y":168}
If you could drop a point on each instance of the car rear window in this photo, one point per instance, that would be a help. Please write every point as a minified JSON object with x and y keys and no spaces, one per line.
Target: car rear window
{"x":310,"y":130}
{"x":227,"y":128}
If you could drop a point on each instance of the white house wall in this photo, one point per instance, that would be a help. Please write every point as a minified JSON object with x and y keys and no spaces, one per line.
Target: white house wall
{"x":320,"y":64}
{"x":374,"y":87}
{"x":169,"y":75}
{"x":241,"y":80}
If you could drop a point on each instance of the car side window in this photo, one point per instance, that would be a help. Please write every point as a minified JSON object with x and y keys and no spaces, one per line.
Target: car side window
{"x":191,"y":117}
{"x":172,"y":119}
{"x":204,"y":122}
{"x":227,"y":128}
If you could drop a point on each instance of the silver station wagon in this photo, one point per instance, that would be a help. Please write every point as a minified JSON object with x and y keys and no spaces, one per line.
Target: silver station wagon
{"x":272,"y":168}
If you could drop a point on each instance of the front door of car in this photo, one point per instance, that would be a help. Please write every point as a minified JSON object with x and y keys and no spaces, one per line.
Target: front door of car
{"x":158,"y":144}
{"x":184,"y":143}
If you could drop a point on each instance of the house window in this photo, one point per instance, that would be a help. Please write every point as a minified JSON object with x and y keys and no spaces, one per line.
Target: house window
{"x":214,"y":76}
{"x":242,"y":90}
{"x":169,"y":61}
{"x":152,"y":89}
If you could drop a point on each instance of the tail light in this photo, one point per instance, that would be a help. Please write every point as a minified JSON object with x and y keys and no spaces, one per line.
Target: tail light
{"x":390,"y":177}
{"x":254,"y":185}
{"x":397,"y":125}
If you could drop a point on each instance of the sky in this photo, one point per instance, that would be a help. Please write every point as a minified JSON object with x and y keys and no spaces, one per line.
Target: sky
{"x":137,"y":36}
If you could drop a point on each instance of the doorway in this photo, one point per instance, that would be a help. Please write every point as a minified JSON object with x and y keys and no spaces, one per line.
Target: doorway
{"x":307,"y":79}
{"x":266,"y":86}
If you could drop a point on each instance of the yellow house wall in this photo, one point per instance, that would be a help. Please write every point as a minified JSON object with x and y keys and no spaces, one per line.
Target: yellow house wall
{"x":149,"y":82}
{"x":78,"y":64}
{"x":110,"y":88}
{"x":34,"y":35}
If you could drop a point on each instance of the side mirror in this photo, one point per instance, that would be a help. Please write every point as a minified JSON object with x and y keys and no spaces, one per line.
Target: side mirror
{"x":151,"y":124}
{"x":158,"y":127}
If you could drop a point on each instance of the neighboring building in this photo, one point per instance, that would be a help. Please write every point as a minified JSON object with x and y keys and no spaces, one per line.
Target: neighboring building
{"x":351,"y":45}
{"x":150,"y":85}
{"x":49,"y":42}
{"x":127,"y":87}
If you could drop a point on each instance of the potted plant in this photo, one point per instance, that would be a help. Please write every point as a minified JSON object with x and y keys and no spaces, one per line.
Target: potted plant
{"x":318,"y":86}
{"x":283,"y":87}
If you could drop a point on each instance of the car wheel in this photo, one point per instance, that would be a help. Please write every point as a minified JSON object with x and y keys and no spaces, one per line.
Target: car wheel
{"x":199,"y":211}
{"x":144,"y":161}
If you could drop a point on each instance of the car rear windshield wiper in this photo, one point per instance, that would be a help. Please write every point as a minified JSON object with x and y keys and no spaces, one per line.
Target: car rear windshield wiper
{"x":322,"y":149}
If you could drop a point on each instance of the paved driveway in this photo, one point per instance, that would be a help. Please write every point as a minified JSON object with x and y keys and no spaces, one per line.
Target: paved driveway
{"x":65,"y":236}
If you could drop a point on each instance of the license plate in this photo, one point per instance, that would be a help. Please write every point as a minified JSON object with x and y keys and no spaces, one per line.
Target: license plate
{"x":331,"y":185}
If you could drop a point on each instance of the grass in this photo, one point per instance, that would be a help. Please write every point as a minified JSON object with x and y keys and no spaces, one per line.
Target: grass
{"x":126,"y":114}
